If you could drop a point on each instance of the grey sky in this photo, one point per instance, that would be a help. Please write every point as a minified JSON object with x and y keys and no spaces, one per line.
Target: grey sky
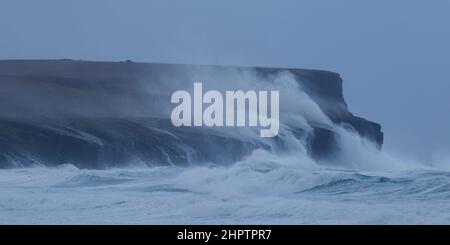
{"x":394,"y":56}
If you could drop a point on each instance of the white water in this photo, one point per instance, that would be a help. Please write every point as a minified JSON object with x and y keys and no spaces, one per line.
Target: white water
{"x":260,"y":190}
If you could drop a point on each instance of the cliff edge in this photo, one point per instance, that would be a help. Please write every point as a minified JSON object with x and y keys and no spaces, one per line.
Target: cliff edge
{"x":93,"y":115}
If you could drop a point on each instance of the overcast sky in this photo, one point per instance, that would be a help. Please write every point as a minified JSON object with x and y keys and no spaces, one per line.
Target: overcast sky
{"x":394,"y":56}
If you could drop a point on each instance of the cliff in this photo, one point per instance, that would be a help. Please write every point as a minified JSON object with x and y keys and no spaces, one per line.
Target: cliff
{"x":96,"y":115}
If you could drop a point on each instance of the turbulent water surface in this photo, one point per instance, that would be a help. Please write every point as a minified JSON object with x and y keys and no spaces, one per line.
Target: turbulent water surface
{"x":250,"y":192}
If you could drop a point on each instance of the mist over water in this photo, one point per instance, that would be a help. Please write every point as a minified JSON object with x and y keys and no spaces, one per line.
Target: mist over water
{"x":297,"y":108}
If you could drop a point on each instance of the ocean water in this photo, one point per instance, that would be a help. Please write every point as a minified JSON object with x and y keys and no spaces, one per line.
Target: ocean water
{"x":258,"y":190}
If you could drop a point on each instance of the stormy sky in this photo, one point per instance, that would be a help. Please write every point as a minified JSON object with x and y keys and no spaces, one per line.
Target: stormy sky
{"x":394,"y":56}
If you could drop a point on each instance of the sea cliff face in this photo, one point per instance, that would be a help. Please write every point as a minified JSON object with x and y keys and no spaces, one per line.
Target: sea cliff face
{"x":110,"y":114}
